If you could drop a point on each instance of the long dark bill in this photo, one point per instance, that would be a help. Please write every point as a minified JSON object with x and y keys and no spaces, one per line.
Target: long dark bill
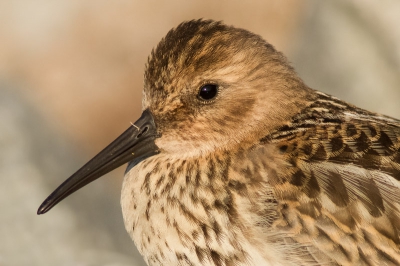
{"x":135,"y":145}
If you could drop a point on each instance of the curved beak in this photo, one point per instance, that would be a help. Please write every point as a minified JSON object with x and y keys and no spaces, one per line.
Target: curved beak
{"x":134,"y":145}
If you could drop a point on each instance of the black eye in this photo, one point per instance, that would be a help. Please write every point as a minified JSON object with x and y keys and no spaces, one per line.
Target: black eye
{"x":208,"y":91}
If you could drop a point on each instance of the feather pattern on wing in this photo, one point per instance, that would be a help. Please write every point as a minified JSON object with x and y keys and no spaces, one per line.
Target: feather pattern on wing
{"x":339,"y":191}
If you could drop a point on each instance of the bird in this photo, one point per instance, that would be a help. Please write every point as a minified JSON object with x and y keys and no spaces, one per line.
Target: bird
{"x":236,"y":161}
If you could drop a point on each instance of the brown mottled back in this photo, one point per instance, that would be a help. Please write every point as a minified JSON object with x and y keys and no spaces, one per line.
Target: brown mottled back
{"x":342,"y":181}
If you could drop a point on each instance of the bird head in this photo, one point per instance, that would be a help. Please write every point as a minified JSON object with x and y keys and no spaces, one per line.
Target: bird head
{"x":210,"y":86}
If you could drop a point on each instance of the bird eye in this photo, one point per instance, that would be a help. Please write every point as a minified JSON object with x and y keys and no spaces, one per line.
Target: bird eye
{"x":208,"y":91}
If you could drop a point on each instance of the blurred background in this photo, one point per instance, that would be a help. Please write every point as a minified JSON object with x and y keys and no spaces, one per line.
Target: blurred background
{"x":71,"y":80}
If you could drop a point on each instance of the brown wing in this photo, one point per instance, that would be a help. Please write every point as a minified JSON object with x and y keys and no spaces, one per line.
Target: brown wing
{"x":340,"y":189}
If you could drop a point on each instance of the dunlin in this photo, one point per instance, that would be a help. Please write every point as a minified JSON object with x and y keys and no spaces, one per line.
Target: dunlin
{"x":235,"y":161}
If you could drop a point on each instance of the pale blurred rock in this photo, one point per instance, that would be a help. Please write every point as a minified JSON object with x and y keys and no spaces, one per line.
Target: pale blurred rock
{"x":350,"y":49}
{"x":34,"y":159}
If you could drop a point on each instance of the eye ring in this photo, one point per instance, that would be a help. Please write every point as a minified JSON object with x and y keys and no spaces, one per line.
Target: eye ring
{"x":208,"y":92}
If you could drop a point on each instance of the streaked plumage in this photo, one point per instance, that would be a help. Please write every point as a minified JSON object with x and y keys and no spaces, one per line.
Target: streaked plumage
{"x":269,"y":172}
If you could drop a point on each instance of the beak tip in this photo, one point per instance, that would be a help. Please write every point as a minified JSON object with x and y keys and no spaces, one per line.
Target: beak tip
{"x":43,"y":209}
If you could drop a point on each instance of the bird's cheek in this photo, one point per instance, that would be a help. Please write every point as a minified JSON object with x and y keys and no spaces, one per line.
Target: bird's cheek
{"x":180,"y":143}
{"x":170,"y":143}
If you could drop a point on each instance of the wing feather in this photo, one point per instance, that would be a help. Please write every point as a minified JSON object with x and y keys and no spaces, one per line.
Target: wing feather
{"x":341,"y":182}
